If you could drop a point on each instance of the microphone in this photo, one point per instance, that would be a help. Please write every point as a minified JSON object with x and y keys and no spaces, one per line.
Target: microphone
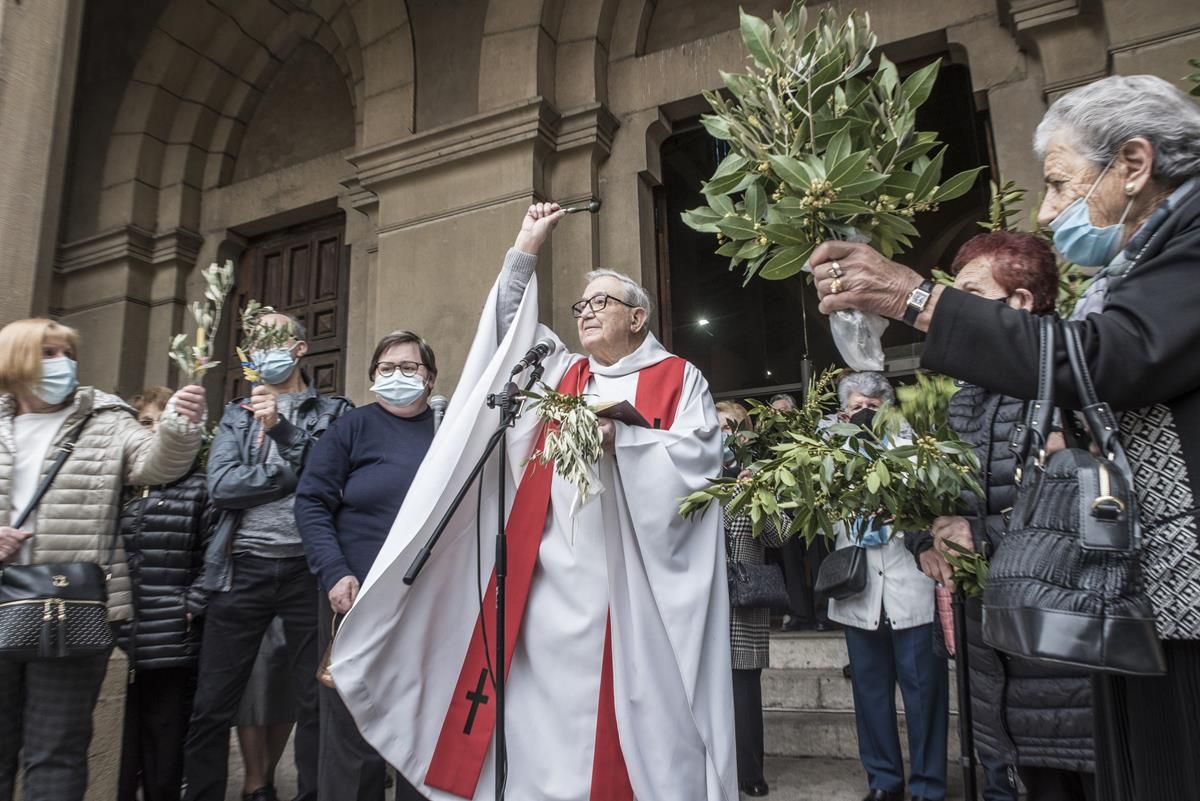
{"x":438,"y":403}
{"x":592,"y":207}
{"x":534,"y":355}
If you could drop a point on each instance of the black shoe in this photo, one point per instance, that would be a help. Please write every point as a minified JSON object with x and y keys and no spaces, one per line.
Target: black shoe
{"x":846,"y":673}
{"x":828,"y":625}
{"x":264,"y":793}
{"x":755,"y":789}
{"x":794,"y":625}
{"x":884,"y":795}
{"x":919,"y":798}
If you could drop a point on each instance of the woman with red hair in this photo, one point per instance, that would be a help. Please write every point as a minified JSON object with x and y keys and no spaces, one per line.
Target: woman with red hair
{"x":1031,"y":716}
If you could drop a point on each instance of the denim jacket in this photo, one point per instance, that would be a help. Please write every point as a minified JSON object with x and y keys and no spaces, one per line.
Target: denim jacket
{"x":237,"y":480}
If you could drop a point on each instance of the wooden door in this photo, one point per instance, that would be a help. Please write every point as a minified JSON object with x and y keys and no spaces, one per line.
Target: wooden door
{"x":301,"y":272}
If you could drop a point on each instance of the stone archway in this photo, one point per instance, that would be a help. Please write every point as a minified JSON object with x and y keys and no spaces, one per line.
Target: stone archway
{"x":165,"y":202}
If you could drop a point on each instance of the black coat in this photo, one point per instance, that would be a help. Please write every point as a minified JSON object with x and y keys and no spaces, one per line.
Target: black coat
{"x":1141,"y":352}
{"x":165,"y":530}
{"x":1025,"y":713}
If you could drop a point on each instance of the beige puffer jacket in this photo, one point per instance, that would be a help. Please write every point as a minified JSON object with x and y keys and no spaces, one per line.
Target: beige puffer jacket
{"x":78,"y":515}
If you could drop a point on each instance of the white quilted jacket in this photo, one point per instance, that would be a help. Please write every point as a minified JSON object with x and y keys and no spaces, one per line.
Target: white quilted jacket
{"x":78,"y":515}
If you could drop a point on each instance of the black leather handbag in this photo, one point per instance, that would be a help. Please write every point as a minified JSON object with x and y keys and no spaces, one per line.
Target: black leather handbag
{"x":843,"y":573}
{"x":1065,"y":583}
{"x":52,"y":611}
{"x":756,"y":586}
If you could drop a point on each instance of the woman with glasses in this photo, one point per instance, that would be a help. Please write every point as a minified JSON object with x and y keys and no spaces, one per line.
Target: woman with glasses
{"x":352,"y":487}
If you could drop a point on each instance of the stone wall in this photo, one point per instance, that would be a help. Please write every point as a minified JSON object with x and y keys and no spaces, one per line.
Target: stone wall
{"x":461,"y":117}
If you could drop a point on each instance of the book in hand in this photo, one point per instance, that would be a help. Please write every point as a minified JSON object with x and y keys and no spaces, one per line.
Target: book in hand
{"x":621,"y":411}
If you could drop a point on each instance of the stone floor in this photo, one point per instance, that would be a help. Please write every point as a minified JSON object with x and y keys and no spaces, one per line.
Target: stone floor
{"x":789,"y":779}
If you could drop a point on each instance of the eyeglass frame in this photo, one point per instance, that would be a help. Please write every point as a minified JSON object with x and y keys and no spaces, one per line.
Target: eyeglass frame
{"x":589,"y":303}
{"x":392,"y":367}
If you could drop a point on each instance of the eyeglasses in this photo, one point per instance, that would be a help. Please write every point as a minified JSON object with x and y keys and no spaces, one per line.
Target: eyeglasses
{"x":597,"y":303}
{"x":408,"y":369}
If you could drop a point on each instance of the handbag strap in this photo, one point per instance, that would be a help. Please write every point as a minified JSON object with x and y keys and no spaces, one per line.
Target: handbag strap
{"x":64,"y":452}
{"x":1039,"y":413}
{"x":1098,"y":415}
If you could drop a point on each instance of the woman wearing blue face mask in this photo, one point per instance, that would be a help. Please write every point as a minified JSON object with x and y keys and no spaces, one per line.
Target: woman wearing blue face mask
{"x":48,"y":702}
{"x":1121,"y":159}
{"x":356,"y":479}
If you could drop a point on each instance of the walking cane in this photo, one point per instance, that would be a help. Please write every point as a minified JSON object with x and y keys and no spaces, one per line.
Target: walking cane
{"x":966,"y":731}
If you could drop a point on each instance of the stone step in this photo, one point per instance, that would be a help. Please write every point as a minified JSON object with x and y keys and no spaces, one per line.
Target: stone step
{"x":808,"y":650}
{"x":830,"y":780}
{"x":819,"y":689}
{"x":827,"y":734}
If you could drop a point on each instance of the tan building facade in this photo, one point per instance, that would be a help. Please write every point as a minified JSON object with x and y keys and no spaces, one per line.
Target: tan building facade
{"x":143,"y":141}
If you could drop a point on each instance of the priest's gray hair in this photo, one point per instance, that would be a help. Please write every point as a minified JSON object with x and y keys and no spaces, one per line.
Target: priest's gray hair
{"x":1101,"y":117}
{"x":635,"y":294}
{"x":869,"y":385}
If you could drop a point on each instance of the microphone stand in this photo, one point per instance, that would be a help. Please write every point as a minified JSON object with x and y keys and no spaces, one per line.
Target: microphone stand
{"x":509,"y":403}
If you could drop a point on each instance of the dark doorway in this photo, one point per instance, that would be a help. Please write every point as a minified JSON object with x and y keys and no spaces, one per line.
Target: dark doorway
{"x":762,"y":338}
{"x":302,"y":272}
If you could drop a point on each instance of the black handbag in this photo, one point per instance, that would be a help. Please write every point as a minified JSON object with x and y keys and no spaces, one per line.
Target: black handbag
{"x":51,"y":611}
{"x":843,"y":573}
{"x":756,"y":586}
{"x":1065,"y":583}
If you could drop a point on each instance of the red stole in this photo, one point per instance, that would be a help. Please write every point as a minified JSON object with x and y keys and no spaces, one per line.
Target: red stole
{"x":471,"y":718}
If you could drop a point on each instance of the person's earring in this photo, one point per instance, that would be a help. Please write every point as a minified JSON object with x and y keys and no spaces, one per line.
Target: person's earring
{"x":1130,"y":188}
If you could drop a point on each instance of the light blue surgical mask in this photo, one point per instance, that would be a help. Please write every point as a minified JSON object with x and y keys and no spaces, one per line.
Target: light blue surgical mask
{"x":58,"y":380}
{"x":275,"y":365}
{"x":727,"y":454}
{"x":1081,"y":242}
{"x":399,"y":389}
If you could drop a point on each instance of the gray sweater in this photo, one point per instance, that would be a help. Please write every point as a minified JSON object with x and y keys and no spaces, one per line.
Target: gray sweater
{"x":270,"y":529}
{"x":514,"y":277}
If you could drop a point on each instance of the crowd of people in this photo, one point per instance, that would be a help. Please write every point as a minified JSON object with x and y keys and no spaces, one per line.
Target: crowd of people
{"x":231,"y":573}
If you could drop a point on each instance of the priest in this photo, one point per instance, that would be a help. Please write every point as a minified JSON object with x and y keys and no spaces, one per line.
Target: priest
{"x":618,"y":621}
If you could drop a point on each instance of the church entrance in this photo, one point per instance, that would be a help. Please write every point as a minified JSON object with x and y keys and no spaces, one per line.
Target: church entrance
{"x":302,"y":272}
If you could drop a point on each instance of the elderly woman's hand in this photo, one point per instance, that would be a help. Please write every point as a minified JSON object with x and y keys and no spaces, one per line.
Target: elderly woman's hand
{"x":855,"y":276}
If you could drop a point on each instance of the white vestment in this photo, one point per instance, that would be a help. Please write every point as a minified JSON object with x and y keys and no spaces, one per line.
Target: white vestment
{"x":627,"y":555}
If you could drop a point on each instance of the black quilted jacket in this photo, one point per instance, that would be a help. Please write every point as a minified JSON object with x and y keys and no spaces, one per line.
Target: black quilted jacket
{"x":1025,"y":713}
{"x":165,"y":530}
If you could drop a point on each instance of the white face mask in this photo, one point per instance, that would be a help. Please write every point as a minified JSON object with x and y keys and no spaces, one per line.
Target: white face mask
{"x":399,"y":389}
{"x":58,"y":380}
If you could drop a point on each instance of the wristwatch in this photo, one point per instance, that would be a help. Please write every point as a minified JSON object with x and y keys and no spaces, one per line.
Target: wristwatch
{"x":917,"y":299}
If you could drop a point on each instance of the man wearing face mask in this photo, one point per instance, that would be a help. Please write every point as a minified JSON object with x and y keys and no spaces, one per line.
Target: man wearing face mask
{"x":255,"y":568}
{"x":889,"y":637}
{"x":357,"y":478}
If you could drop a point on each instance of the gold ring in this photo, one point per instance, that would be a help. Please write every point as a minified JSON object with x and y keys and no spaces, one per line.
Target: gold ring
{"x":835,"y":270}
{"x":835,"y":286}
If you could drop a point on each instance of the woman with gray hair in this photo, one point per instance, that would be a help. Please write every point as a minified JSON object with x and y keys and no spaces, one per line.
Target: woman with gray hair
{"x":1121,"y":159}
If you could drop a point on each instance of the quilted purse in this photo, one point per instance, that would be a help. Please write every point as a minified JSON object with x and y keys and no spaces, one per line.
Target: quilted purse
{"x":754,"y":586}
{"x":1065,"y":583}
{"x":53,"y":611}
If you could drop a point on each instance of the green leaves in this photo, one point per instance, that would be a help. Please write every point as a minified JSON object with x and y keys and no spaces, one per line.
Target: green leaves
{"x":820,"y":144}
{"x":825,"y":474}
{"x":787,"y":262}
{"x":756,"y":35}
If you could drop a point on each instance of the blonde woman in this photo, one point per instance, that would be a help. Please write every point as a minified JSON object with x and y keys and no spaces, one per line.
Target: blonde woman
{"x":48,"y":703}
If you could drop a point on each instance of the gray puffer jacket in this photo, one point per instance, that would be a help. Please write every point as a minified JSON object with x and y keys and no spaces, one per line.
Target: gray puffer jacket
{"x":77,"y":518}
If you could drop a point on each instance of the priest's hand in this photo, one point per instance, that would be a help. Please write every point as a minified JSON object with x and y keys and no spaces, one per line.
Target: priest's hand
{"x":608,"y":434}
{"x":536,"y":227}
{"x":343,"y":594}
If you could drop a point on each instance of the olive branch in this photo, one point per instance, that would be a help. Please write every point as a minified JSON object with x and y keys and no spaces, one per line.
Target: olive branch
{"x":572,"y":441}
{"x":817,"y":148}
{"x":195,"y":359}
{"x":824,"y":473}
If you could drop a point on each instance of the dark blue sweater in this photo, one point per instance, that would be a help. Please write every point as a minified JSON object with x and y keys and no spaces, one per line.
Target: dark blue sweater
{"x":355,"y":479}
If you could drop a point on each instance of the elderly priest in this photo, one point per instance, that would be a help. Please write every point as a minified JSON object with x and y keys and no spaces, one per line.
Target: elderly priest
{"x":618,"y":621}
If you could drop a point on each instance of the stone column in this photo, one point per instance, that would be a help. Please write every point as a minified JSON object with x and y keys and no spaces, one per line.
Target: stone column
{"x":39,"y":52}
